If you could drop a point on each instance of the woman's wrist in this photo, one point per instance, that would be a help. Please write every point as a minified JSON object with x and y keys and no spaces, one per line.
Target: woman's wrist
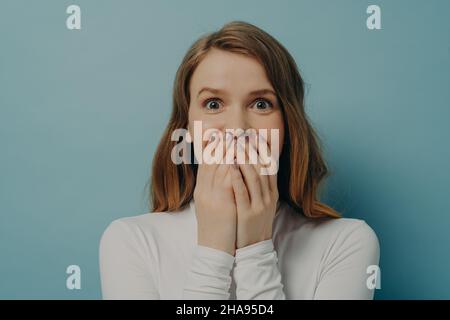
{"x":216,"y":243}
{"x":250,"y":240}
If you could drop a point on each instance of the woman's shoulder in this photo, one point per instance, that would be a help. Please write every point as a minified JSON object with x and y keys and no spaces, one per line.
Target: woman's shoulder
{"x":148,"y":226}
{"x":351,"y":234}
{"x":333,"y":232}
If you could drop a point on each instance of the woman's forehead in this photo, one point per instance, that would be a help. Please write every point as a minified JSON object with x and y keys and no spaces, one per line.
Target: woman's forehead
{"x":229,"y":72}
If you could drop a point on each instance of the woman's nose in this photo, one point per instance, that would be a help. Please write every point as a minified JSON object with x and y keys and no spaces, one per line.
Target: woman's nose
{"x":237,"y":120}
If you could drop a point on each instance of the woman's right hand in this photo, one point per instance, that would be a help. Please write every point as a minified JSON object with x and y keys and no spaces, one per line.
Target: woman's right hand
{"x":215,"y":205}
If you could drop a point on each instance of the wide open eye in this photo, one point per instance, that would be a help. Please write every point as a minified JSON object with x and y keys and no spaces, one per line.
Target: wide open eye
{"x":212,"y":104}
{"x":262,"y":105}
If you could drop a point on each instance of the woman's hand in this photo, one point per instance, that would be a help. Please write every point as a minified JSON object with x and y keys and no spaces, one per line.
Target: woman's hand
{"x":215,"y":205}
{"x":256,"y":197}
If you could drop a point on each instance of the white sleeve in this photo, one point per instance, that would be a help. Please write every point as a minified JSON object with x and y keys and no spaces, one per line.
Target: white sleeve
{"x":256,"y":273}
{"x":344,"y":273}
{"x":126,"y":272}
{"x":209,"y":276}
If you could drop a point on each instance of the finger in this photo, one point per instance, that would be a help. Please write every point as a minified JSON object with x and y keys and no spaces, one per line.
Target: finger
{"x":206,"y":170}
{"x":257,"y":166}
{"x":271,"y":148}
{"x":224,"y":167}
{"x":271,"y":159}
{"x":239,"y":189}
{"x":213,"y":150}
{"x":251,"y":177}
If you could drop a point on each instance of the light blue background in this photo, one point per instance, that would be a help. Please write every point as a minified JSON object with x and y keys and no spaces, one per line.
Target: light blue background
{"x":81,"y":113}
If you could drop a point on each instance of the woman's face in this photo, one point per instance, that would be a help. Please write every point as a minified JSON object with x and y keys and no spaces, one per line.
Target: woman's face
{"x":231,"y":91}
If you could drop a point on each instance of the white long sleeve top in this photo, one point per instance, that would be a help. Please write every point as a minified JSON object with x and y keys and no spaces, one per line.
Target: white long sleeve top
{"x":156,"y":256}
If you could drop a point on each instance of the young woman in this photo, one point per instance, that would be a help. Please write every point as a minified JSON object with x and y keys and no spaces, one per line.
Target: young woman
{"x":224,"y":230}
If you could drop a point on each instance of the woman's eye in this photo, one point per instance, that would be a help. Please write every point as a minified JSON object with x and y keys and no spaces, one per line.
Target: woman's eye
{"x":263,"y":105}
{"x":212,"y":104}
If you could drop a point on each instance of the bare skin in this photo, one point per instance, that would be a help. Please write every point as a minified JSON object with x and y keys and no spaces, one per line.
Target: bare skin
{"x":235,"y":204}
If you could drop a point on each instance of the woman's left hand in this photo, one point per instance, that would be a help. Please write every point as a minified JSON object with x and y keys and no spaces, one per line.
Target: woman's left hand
{"x":256,"y":198}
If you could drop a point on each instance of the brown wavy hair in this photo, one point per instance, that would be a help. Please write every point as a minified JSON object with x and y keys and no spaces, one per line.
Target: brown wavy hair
{"x":301,"y":166}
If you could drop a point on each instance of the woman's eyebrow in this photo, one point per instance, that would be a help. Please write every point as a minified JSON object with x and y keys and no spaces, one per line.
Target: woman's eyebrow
{"x":252,"y":93}
{"x":262,"y":92}
{"x":212,"y":90}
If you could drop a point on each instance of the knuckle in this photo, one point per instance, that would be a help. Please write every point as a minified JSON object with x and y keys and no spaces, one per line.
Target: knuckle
{"x":254,"y":178}
{"x":258,"y":208}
